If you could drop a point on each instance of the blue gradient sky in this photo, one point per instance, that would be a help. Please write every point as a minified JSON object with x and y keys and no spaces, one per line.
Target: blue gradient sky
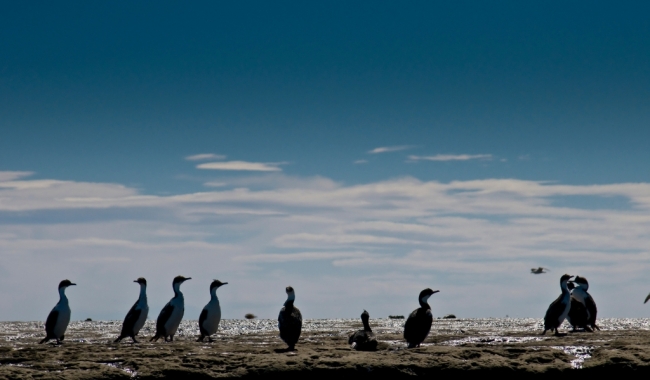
{"x":112,"y":98}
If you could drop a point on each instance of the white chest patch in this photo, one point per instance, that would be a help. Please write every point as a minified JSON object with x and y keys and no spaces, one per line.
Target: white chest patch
{"x":143,"y":317}
{"x":566,"y":300}
{"x":63,"y":319}
{"x":177,"y":315}
{"x":211,"y":323}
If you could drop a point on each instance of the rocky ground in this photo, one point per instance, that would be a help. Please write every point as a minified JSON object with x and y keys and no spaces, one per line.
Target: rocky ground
{"x":507,"y":348}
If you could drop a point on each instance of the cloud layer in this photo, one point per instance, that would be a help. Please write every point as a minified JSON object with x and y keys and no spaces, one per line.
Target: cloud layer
{"x":452,"y":157}
{"x":205,"y":157}
{"x":389,"y":149}
{"x":378,"y":244}
{"x":241,"y":166}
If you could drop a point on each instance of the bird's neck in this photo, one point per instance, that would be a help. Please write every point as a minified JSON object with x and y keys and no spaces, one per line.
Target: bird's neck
{"x":366,"y":325}
{"x":62,"y":296}
{"x":143,"y":293}
{"x":424,"y":303}
{"x":177,"y":290}
{"x":213,"y":294}
{"x":289,"y":303}
{"x":565,"y":288}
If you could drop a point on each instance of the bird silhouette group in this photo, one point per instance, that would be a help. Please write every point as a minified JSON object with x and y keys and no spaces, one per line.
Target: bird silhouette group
{"x":574,"y":304}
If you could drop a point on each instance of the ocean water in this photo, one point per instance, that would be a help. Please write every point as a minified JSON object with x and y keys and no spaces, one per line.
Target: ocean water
{"x":484,"y":330}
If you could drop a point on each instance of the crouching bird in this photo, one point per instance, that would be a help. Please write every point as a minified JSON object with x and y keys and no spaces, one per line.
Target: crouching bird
{"x":364,"y":340}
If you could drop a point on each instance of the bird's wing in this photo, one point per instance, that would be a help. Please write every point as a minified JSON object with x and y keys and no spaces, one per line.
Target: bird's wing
{"x":165,"y":313}
{"x":51,"y":321}
{"x":409,"y":325}
{"x":646,"y":299}
{"x":555,"y":308}
{"x":131,"y":318}
{"x":203,"y":317}
{"x":591,"y":307}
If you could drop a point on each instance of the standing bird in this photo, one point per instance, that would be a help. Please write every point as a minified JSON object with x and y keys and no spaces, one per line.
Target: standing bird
{"x":364,"y":340}
{"x":211,"y":314}
{"x":418,"y":324}
{"x":137,"y":316}
{"x":172,"y":314}
{"x":559,"y":309}
{"x":59,"y":318}
{"x":583,"y":307}
{"x":290,"y":321}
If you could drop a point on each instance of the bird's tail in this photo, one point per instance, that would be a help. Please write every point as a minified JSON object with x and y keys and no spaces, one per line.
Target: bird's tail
{"x":44,"y":340}
{"x":201,"y":338}
{"x":119,"y":338}
{"x":155,"y":338}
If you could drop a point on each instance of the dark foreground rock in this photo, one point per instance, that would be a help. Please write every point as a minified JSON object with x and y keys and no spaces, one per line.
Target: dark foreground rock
{"x":446,"y":355}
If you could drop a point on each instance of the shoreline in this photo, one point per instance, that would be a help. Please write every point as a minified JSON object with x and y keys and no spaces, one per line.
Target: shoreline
{"x":448,"y":352}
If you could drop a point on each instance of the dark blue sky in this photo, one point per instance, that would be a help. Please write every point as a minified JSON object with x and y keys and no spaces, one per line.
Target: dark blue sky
{"x":121,"y":92}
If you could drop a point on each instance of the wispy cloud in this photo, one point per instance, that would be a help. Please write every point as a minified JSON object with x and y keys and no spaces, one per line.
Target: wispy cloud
{"x":389,"y":149}
{"x":358,"y":162}
{"x":452,"y":157}
{"x":205,"y":157}
{"x":241,"y":166}
{"x":11,"y":176}
{"x":259,"y":229}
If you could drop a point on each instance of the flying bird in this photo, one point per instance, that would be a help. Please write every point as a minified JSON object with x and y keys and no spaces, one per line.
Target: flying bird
{"x":539,"y":270}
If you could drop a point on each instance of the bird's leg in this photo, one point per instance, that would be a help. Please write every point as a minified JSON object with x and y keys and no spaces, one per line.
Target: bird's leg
{"x":210,"y":340}
{"x":171,"y":338}
{"x":134,"y":340}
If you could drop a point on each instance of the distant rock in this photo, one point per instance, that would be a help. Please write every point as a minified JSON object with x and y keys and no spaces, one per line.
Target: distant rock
{"x":449,"y":316}
{"x":396,"y":316}
{"x":250,"y":316}
{"x":89,"y":319}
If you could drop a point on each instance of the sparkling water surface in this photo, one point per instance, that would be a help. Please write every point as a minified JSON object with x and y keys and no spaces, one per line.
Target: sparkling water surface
{"x":450,"y":332}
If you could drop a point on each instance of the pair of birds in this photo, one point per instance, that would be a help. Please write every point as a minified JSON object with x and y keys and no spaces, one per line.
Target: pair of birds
{"x":575,"y":304}
{"x":416,"y":329}
{"x":166,"y":325}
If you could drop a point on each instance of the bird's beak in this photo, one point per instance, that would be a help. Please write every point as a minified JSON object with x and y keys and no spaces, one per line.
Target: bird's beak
{"x":188,"y":278}
{"x":436,"y":291}
{"x":225,"y":283}
{"x":135,"y":280}
{"x":73,"y":284}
